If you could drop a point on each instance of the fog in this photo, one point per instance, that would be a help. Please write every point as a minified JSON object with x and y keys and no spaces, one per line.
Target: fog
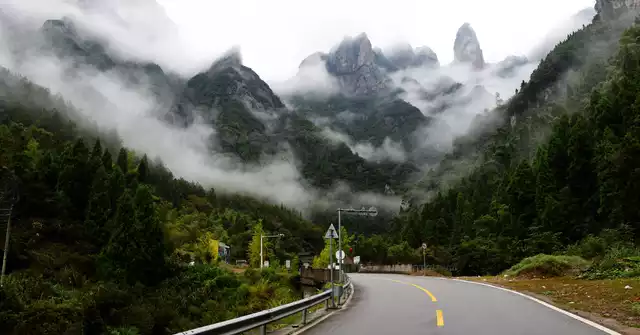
{"x":453,"y":113}
{"x":388,"y":151}
{"x":103,"y":99}
{"x":141,"y":30}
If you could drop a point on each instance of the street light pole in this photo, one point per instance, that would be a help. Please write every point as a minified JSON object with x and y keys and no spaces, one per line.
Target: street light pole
{"x":262,"y":237}
{"x":339,"y":246}
{"x":372,"y":211}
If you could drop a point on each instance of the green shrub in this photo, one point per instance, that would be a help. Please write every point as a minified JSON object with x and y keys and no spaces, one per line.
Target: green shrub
{"x":618,"y":262}
{"x":590,"y":247}
{"x":548,"y":266}
{"x":123,"y":331}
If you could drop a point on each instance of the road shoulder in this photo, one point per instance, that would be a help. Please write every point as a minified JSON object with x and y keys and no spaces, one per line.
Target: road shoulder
{"x":606,"y":303}
{"x":316,"y":317}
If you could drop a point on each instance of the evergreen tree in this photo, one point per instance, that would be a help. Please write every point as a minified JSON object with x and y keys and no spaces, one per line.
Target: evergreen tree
{"x":99,"y":207}
{"x":107,"y":161}
{"x":75,"y":178}
{"x":123,"y":161}
{"x":143,"y":170}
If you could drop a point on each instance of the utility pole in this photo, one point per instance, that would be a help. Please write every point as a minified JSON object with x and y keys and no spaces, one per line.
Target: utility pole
{"x":6,"y":244}
{"x":339,"y":246}
{"x":333,"y":300}
{"x":262,"y":237}
{"x":372,"y":211}
{"x":9,"y":196}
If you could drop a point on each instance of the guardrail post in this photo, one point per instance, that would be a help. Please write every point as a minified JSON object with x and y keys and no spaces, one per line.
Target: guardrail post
{"x":304,"y":317}
{"x":263,"y":330}
{"x":326,"y":304}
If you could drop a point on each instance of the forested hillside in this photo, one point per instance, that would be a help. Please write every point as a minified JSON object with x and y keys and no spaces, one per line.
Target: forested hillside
{"x":101,"y":237}
{"x":106,"y":240}
{"x":559,"y":176}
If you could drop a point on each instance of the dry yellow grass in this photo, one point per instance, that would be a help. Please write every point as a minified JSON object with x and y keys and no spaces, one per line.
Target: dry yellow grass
{"x":616,"y":299}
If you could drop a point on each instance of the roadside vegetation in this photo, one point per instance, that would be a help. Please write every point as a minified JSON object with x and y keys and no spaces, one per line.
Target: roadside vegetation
{"x":105,"y":241}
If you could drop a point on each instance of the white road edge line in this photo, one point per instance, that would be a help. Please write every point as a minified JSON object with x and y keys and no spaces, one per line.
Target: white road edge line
{"x":569,"y":314}
{"x":316,"y":322}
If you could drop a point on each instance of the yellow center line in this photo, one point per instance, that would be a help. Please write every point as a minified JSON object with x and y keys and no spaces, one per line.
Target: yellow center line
{"x":440,"y":319}
{"x":433,"y":298}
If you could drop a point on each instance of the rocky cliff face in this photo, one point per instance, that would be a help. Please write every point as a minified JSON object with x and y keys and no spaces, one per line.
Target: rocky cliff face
{"x":226,"y":82}
{"x":612,"y":9}
{"x":403,"y":56}
{"x":353,"y":63}
{"x":65,"y":40}
{"x":507,"y":67}
{"x":466,"y":48}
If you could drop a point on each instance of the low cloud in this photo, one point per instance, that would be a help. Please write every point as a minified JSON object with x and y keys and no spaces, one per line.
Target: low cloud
{"x":107,"y":100}
{"x":311,"y":80}
{"x":388,"y":151}
{"x":454,"y":95}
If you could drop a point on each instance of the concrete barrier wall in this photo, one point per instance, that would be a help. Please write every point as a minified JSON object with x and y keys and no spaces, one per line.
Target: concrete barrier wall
{"x":319,"y":275}
{"x":398,"y":268}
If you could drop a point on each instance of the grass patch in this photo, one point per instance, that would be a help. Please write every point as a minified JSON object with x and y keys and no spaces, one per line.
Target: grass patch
{"x":548,"y":266}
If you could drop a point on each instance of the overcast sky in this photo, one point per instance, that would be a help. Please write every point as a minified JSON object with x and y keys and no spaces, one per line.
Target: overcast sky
{"x":276,"y":35}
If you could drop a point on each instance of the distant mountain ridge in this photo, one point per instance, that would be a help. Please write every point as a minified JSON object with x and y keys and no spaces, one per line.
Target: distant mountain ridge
{"x":370,"y":111}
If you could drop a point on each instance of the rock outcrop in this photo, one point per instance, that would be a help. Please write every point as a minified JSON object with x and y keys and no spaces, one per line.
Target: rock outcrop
{"x":612,"y":9}
{"x":65,"y":40}
{"x":354,"y":64}
{"x":226,"y":82}
{"x":506,"y":67}
{"x":425,"y":56}
{"x":403,"y":56}
{"x":466,"y":48}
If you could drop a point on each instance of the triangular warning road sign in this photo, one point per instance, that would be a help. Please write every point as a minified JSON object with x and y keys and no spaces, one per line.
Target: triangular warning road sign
{"x":331,"y":232}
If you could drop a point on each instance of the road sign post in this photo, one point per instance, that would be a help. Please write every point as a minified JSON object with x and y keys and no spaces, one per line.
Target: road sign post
{"x":331,"y":234}
{"x":424,"y":259}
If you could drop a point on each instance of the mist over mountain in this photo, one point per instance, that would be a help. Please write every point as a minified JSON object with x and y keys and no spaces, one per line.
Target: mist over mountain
{"x":355,"y":122}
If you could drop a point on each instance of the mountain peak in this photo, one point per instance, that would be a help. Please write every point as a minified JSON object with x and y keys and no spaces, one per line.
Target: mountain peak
{"x":231,"y":58}
{"x":404,"y":56}
{"x":313,"y":59}
{"x":466,"y":47}
{"x":353,"y":62}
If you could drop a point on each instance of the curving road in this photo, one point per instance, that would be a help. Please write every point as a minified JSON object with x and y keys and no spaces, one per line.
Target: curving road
{"x":403,"y":305}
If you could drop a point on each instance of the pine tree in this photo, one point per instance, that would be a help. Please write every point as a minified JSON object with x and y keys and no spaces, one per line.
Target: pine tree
{"x":96,"y":153}
{"x":115,"y":260}
{"x":148,"y":232}
{"x":107,"y":161}
{"x":123,"y":161}
{"x":143,"y":170}
{"x":117,"y":185}
{"x":99,"y":208}
{"x":75,"y":178}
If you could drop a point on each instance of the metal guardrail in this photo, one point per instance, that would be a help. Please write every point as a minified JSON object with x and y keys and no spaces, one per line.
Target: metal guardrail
{"x":263,"y":318}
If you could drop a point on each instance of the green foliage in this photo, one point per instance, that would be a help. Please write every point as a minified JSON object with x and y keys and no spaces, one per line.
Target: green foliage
{"x":535,"y":189}
{"x":322,"y":261}
{"x":254,"y":246}
{"x":548,"y":266}
{"x":97,"y":246}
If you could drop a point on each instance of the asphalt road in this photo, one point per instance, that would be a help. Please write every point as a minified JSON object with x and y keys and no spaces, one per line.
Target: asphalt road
{"x":403,"y":305}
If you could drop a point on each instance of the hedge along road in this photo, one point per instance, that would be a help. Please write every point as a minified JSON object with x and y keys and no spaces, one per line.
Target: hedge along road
{"x":403,"y":305}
